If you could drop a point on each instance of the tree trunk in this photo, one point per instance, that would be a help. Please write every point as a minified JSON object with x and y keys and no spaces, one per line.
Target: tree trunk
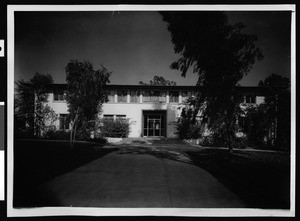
{"x":72,"y":135}
{"x":230,"y":149}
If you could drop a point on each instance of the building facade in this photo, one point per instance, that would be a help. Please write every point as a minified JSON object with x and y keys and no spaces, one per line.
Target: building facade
{"x":152,"y":111}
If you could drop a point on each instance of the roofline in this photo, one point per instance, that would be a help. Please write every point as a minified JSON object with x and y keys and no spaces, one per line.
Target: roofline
{"x":245,"y":89}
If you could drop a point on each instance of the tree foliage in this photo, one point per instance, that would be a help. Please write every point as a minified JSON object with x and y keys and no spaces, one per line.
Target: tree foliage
{"x":31,"y":109}
{"x":187,"y":126}
{"x":277,"y":109}
{"x":220,"y":53}
{"x":85,"y":93}
{"x":159,"y":81}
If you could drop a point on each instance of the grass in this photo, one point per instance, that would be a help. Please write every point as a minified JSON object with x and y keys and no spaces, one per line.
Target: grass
{"x":260,"y":178}
{"x":36,"y":161}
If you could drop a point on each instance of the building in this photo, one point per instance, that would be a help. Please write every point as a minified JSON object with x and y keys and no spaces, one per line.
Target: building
{"x":153,"y":111}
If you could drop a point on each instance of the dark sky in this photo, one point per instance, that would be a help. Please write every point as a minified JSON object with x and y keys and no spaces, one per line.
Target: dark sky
{"x":135,"y":46}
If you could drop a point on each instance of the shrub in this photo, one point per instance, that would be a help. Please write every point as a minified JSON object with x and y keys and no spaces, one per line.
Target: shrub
{"x":119,"y":128}
{"x":99,"y":140}
{"x":218,"y":140}
{"x":185,"y":130}
{"x":57,"y":135}
{"x":187,"y":126}
{"x":23,"y":134}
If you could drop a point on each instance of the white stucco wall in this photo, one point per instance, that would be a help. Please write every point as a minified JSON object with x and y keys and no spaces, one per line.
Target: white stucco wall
{"x":59,"y":107}
{"x":134,"y":112}
{"x":260,"y":99}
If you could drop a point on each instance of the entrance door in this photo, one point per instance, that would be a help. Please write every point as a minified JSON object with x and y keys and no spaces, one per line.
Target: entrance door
{"x":154,"y":124}
{"x":154,"y":127}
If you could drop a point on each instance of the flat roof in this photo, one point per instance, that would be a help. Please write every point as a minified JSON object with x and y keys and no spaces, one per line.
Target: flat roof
{"x":258,"y":90}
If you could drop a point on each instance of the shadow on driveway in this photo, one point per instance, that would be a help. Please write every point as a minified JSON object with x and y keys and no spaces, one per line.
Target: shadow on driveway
{"x":37,"y":161}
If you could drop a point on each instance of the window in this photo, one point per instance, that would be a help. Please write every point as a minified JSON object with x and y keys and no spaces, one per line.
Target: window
{"x":185,"y":95}
{"x":59,"y":95}
{"x":120,"y":117}
{"x":64,"y":122}
{"x":134,"y":96}
{"x":111,"y":96}
{"x":174,"y":96}
{"x":122,"y":96}
{"x":154,"y":96}
{"x":108,"y":118}
{"x":146,"y":96}
{"x":162,"y":96}
{"x":250,"y":99}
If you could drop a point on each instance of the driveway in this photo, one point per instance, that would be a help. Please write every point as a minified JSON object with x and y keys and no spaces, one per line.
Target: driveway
{"x":139,"y":175}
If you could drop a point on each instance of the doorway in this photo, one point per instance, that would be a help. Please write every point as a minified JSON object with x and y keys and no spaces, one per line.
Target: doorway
{"x":154,"y":123}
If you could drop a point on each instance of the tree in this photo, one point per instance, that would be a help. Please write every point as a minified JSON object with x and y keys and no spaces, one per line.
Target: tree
{"x":187,"y":126}
{"x":85,"y":94}
{"x":159,"y":81}
{"x":220,"y":54}
{"x":31,"y":104}
{"x":277,"y":107}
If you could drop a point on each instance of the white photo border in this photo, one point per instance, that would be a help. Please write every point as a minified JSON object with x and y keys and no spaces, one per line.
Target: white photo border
{"x":180,"y":212}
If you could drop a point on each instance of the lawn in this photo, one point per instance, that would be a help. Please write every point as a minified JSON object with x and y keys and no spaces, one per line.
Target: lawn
{"x":36,"y":161}
{"x":260,"y":178}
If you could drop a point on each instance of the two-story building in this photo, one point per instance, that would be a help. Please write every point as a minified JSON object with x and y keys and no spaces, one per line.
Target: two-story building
{"x":153,"y":111}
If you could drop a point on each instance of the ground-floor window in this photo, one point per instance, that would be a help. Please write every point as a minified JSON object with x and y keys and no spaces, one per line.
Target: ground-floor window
{"x":108,"y":117}
{"x":64,"y":122}
{"x":120,"y":117}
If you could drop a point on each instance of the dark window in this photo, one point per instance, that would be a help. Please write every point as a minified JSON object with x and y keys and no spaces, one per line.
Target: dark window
{"x":64,"y":122}
{"x":59,"y":95}
{"x":174,"y":96}
{"x":250,"y":99}
{"x":122,"y":96}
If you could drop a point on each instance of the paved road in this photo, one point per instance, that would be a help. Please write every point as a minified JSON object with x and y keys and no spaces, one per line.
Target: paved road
{"x":135,"y":176}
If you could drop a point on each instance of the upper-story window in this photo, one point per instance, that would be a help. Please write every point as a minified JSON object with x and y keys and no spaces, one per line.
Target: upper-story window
{"x":59,"y":95}
{"x":154,"y":96}
{"x":186,"y":94}
{"x":146,"y":96}
{"x":134,"y":96}
{"x":162,"y":96}
{"x":174,"y":96}
{"x":250,"y":99}
{"x":122,"y":96}
{"x":111,"y":96}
